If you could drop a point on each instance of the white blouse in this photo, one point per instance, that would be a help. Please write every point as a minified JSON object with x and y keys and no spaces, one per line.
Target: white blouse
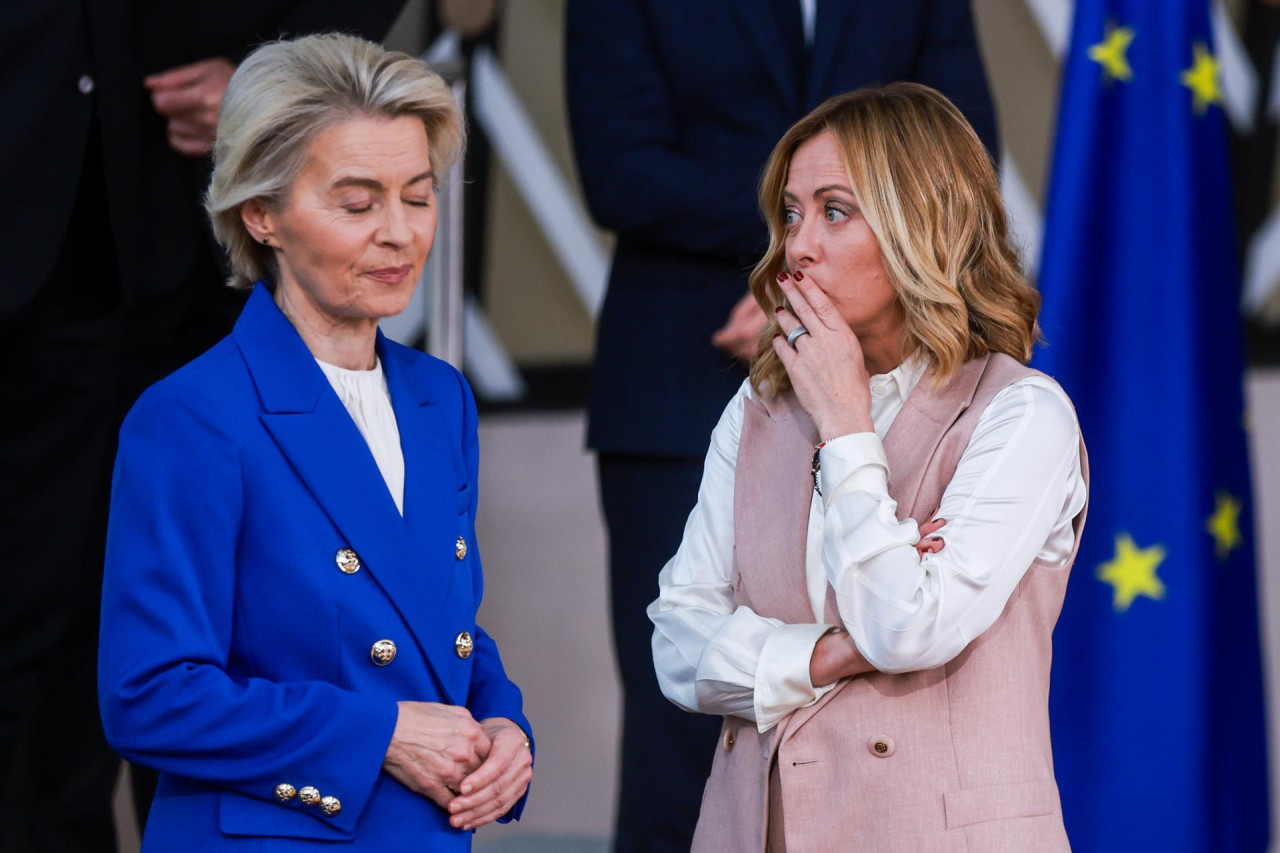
{"x":368,"y":399}
{"x":1016,"y":490}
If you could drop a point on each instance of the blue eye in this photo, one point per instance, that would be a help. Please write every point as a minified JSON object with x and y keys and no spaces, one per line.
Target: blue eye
{"x":835,"y":214}
{"x":790,"y":217}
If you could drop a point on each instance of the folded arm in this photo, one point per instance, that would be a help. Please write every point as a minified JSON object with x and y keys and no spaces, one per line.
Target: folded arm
{"x":1014,"y":494}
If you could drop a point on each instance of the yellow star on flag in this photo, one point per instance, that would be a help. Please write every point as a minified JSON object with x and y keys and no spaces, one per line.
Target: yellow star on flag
{"x":1202,"y":79}
{"x":1132,"y":572}
{"x":1111,"y":52}
{"x":1224,"y":524}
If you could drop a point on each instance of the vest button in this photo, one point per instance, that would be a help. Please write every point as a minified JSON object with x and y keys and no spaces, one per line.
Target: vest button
{"x":881,"y":746}
{"x":728,"y":740}
{"x":460,"y":548}
{"x":463,"y":644}
{"x":309,"y":795}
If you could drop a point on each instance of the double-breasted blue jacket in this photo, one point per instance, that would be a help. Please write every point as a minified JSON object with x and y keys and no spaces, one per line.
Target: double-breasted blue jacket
{"x":235,"y":652}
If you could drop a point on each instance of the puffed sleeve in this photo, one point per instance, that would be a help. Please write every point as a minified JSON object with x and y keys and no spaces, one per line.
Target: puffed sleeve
{"x":168,"y":605}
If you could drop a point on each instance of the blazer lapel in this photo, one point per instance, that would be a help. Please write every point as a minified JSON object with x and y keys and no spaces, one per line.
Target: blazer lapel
{"x":758,"y":19}
{"x":435,"y":515}
{"x":316,"y":434}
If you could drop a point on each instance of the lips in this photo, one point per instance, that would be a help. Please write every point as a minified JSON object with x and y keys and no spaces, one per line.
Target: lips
{"x":390,"y":275}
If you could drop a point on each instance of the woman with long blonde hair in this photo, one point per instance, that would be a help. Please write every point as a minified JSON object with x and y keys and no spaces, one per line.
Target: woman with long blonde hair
{"x":890,"y":508}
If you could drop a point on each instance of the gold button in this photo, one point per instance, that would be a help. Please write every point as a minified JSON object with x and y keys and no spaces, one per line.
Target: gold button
{"x":728,"y":740}
{"x":881,"y":746}
{"x":330,"y":805}
{"x":348,"y":561}
{"x":460,"y":548}
{"x":463,"y":645}
{"x":309,"y":795}
{"x":382,"y":652}
{"x":285,"y":792}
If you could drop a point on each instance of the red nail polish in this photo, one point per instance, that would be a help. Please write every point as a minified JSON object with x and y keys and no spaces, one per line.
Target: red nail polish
{"x":782,"y":276}
{"x":779,"y":309}
{"x":799,"y":275}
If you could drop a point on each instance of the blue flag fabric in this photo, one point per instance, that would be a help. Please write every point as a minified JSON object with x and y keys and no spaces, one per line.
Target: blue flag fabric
{"x":1157,"y":712}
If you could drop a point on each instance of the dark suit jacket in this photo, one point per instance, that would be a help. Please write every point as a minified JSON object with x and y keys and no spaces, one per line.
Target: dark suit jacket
{"x":235,"y":656}
{"x":47,"y":46}
{"x":674,"y":108}
{"x":153,"y":193}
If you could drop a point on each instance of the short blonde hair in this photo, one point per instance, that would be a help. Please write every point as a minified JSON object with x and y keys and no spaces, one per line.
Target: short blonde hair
{"x":283,"y":96}
{"x":929,"y":193}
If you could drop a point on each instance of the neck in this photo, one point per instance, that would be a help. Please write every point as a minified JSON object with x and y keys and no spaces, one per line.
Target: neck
{"x":882,"y":353}
{"x":348,"y":342}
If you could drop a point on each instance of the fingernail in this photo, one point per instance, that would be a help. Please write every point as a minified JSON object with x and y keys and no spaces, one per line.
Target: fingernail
{"x":782,"y":276}
{"x":779,"y":309}
{"x":799,"y":276}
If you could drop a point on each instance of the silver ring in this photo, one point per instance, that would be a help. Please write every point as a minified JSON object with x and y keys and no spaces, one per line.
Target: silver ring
{"x":794,"y":334}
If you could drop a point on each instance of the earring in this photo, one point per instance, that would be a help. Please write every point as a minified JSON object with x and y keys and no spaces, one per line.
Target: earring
{"x":266,"y":241}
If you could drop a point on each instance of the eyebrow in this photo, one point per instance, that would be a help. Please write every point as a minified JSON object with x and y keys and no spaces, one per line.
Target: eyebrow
{"x":820,"y":191}
{"x":370,"y":183}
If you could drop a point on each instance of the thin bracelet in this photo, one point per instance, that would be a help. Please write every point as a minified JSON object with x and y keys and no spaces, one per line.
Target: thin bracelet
{"x":816,"y":465}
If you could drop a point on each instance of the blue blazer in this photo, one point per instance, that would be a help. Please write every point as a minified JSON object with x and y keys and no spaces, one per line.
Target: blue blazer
{"x":235,"y":654}
{"x":675,"y":105}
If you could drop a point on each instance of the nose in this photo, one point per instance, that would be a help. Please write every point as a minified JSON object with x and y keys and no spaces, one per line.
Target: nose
{"x":802,"y":244}
{"x":395,"y":229}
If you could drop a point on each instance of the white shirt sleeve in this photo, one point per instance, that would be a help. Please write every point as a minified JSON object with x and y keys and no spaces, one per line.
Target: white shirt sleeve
{"x":1012,"y":500}
{"x":709,"y":656}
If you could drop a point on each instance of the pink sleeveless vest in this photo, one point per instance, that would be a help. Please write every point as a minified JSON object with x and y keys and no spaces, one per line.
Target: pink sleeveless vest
{"x":942,"y":761}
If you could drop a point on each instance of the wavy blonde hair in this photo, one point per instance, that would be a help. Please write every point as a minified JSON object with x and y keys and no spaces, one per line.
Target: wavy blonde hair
{"x":929,"y":193}
{"x":284,"y":95}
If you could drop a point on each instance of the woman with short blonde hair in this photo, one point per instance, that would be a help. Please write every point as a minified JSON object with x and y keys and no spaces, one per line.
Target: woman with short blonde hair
{"x":890,"y":508}
{"x":289,"y":94}
{"x":289,"y":605}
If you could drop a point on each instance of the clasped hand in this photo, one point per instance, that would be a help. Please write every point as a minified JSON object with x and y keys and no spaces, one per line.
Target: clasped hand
{"x":474,"y":770}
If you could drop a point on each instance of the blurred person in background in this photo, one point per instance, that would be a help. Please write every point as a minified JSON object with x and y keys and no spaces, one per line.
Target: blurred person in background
{"x":292,"y":578}
{"x":867,"y":588}
{"x":674,"y":108}
{"x":110,"y":281}
{"x":69,"y":166}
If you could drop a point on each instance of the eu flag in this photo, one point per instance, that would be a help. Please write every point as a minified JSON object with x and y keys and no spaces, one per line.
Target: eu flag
{"x":1157,"y":683}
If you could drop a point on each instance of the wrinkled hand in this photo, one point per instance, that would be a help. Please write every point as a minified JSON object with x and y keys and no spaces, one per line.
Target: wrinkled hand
{"x":930,"y":544}
{"x":434,"y":748}
{"x":740,"y":335}
{"x":826,"y":366}
{"x":491,"y":791}
{"x":190,"y":97}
